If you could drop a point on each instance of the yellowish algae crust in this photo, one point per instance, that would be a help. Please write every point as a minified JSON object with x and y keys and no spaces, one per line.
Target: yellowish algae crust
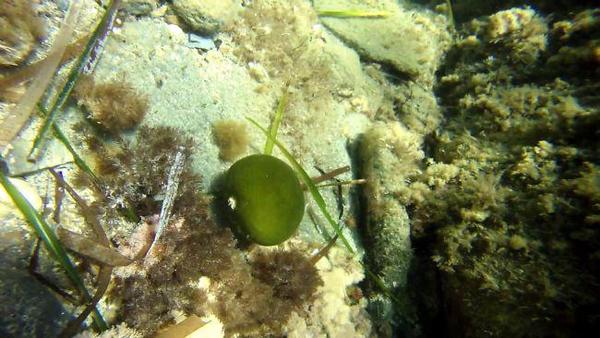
{"x":332,"y":314}
{"x":500,"y":205}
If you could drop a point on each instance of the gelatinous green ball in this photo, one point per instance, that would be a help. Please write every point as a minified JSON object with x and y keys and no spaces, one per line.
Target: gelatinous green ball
{"x":265,"y":197}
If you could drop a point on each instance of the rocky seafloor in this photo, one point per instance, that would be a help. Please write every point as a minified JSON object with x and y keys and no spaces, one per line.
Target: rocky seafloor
{"x":474,"y":127}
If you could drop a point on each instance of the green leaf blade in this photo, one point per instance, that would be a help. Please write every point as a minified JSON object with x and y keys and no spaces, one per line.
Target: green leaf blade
{"x":50,"y":240}
{"x":275,"y":124}
{"x":352,"y":13}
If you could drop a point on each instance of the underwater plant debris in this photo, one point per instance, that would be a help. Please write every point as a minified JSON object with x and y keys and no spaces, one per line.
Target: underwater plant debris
{"x":164,"y":280}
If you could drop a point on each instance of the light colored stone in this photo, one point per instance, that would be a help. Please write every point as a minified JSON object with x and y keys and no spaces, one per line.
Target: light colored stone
{"x":186,"y":90}
{"x":390,"y":153}
{"x":206,"y":16}
{"x":411,"y":41}
{"x":7,"y":206}
{"x":139,"y":7}
{"x":332,"y":313}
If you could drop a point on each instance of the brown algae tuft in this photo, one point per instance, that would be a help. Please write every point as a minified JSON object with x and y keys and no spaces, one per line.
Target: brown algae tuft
{"x":115,"y":106}
{"x":231,"y":137}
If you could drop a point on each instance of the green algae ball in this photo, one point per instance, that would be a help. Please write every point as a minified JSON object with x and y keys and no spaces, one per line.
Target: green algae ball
{"x":265,"y":197}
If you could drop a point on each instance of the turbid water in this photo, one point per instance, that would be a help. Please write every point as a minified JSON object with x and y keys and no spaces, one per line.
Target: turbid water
{"x":428,"y":168}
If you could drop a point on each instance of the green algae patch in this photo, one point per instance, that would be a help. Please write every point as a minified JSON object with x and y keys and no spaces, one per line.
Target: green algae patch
{"x":266,"y":198}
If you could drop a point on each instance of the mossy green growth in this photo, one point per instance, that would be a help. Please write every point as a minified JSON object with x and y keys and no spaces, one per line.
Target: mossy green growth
{"x":265,"y":197}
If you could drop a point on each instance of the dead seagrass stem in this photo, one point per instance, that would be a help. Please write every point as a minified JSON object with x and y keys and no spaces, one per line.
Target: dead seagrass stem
{"x":90,"y":54}
{"x":172,"y":185}
{"x":331,"y":174}
{"x":91,"y":249}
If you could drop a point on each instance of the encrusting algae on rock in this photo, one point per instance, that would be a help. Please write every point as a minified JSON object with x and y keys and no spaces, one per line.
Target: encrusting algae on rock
{"x":501,"y":219}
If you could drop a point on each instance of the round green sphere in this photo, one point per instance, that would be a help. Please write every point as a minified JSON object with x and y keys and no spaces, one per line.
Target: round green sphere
{"x":265,"y":197}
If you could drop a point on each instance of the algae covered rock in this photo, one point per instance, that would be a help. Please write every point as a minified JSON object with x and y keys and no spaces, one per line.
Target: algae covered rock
{"x":389,"y":154}
{"x":28,"y":308}
{"x":139,"y":7}
{"x":503,"y":213}
{"x":520,"y":31}
{"x":410,"y":41}
{"x":205,"y":16}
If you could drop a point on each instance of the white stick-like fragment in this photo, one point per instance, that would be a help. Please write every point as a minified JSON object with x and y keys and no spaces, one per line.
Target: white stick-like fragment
{"x":101,"y":41}
{"x":171,"y":192}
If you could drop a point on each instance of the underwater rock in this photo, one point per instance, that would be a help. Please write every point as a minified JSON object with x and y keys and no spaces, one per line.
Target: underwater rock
{"x":417,"y":107}
{"x":27,"y":308}
{"x":389,"y":153}
{"x":139,"y":7}
{"x":412,"y":42}
{"x":520,"y":32}
{"x":191,"y":92}
{"x":361,"y":92}
{"x":335,"y":311}
{"x":505,"y":210}
{"x":185,"y":90}
{"x":205,"y":16}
